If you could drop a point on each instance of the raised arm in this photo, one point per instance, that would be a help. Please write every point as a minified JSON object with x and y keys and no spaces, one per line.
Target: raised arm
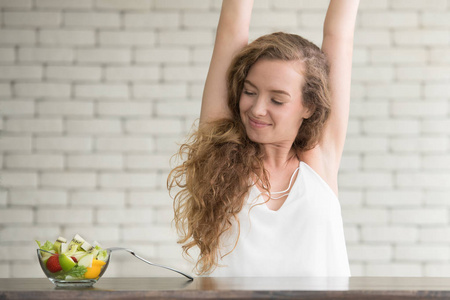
{"x":232,"y":36}
{"x":338,"y":46}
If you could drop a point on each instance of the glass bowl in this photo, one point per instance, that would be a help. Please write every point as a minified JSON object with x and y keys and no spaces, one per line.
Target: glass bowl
{"x":63,"y":279}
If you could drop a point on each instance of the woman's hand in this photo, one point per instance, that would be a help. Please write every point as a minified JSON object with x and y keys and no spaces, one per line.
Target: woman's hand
{"x":231,"y":37}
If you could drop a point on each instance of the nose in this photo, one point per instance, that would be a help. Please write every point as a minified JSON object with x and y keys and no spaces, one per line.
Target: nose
{"x":259,"y":107}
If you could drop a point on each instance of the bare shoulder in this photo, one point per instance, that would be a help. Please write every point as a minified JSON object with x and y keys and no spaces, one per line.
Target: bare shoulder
{"x":322,"y":164}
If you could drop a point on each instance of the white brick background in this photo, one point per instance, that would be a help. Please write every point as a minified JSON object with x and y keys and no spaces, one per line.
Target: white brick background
{"x":96,"y":93}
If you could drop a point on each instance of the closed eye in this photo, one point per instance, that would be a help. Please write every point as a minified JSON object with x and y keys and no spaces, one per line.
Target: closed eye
{"x":277,"y":102}
{"x":249,"y":93}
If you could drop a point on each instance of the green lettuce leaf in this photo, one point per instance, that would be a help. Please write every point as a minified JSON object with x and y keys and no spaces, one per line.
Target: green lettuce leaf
{"x":77,"y":271}
{"x":102,"y":255}
{"x":48,"y":246}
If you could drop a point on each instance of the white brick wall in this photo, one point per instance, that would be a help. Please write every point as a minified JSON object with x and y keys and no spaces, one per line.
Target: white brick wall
{"x":96,"y":94}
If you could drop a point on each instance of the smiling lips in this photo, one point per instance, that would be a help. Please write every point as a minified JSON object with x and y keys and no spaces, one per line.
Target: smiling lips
{"x":257,"y":124}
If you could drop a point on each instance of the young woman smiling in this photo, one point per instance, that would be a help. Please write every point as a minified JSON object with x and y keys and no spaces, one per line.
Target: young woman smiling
{"x":257,"y":191}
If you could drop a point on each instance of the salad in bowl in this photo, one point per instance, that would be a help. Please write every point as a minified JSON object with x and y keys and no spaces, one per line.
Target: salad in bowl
{"x":73,"y":263}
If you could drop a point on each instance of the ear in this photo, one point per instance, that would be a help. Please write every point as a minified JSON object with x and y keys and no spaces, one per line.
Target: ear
{"x":308,"y":112}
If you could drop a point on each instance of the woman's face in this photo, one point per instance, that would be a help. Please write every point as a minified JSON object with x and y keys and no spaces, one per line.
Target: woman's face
{"x":271,"y":105}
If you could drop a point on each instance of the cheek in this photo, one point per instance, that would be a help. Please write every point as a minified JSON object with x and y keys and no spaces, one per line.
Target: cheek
{"x":243,"y":104}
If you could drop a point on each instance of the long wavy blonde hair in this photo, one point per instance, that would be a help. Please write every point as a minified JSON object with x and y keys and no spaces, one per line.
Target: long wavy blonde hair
{"x":219,"y":159}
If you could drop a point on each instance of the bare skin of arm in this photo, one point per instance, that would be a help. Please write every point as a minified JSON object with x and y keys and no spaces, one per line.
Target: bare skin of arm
{"x":338,"y":46}
{"x":231,"y":37}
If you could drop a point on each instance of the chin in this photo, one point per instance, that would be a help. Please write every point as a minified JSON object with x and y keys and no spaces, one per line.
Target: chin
{"x":255,"y":135}
{"x":256,"y":138}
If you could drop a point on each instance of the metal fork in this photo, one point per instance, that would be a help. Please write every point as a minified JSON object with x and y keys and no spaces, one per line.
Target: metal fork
{"x":148,"y":262}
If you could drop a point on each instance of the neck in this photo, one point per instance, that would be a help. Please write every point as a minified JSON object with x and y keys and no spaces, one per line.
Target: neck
{"x":276,"y":157}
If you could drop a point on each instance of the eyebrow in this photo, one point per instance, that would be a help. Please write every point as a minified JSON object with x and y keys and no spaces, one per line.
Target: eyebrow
{"x":273,"y":91}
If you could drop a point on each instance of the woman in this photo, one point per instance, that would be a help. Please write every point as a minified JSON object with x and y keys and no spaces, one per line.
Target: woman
{"x":258,"y":186}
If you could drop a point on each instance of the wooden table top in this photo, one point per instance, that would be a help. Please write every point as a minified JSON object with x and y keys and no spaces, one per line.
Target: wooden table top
{"x":237,"y":288}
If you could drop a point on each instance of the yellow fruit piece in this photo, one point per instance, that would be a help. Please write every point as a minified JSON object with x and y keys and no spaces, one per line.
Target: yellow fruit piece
{"x":94,"y":271}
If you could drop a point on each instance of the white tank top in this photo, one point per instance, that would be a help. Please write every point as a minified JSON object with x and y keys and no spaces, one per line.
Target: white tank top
{"x":304,"y":238}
